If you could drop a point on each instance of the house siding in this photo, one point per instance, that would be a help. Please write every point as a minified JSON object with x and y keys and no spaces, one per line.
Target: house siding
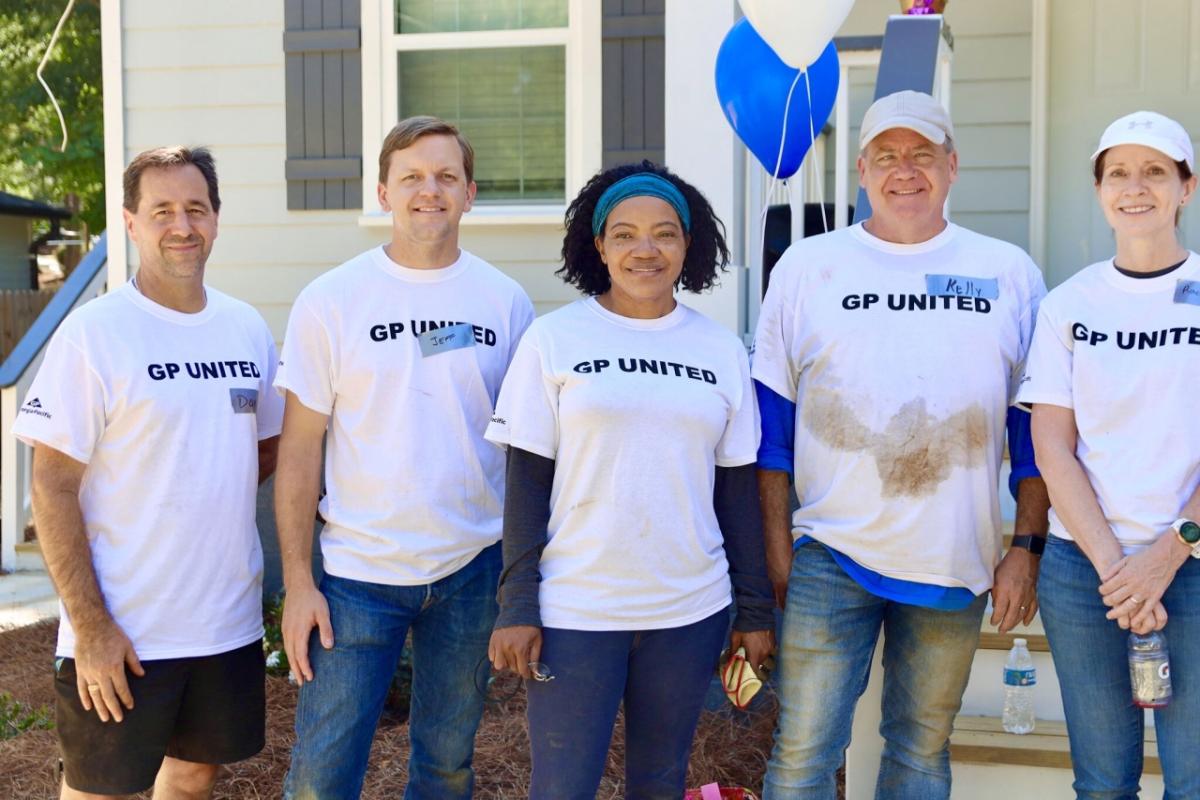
{"x":213,"y":74}
{"x":15,"y":236}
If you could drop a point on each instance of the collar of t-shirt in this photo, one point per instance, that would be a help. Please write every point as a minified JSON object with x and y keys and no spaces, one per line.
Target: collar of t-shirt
{"x":1149,"y":282}
{"x":1158,"y":273}
{"x":135,"y":296}
{"x":676,"y":316}
{"x":943,"y":238}
{"x":413,"y":275}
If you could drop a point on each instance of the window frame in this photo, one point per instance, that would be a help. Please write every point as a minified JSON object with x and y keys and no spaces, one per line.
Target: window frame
{"x":580,"y":40}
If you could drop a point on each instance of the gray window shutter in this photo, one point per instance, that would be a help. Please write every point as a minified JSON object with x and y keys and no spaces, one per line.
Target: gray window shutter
{"x":634,"y":81}
{"x":323,"y":66}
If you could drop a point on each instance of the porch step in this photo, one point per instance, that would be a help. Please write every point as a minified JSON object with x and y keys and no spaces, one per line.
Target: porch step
{"x":1033,"y":634}
{"x":990,"y":764}
{"x":26,"y":597}
{"x":983,"y":740}
{"x":29,"y":557}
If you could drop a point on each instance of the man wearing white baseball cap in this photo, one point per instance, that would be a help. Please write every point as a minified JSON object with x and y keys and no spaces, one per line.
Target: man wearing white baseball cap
{"x":886,"y":358}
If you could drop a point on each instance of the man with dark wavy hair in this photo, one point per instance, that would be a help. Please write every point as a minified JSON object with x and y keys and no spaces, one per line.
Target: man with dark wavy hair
{"x":152,"y":420}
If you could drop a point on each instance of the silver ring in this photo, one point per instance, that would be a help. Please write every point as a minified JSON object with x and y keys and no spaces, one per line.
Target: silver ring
{"x":93,"y":687}
{"x":1024,"y":607}
{"x":1136,"y":600}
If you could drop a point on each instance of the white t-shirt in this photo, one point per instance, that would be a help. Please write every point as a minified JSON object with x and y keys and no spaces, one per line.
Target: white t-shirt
{"x":1124,"y":354}
{"x":413,"y":490}
{"x":166,"y":409}
{"x":902,"y":360}
{"x":636,"y":414}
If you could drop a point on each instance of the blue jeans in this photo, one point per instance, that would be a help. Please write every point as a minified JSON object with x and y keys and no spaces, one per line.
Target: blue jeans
{"x":830,"y":629}
{"x":1091,"y":659}
{"x":662,"y":675}
{"x":451,"y":622}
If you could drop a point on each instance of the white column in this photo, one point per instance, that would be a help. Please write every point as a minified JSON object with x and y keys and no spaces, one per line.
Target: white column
{"x":700,"y":145}
{"x":113,"y":74}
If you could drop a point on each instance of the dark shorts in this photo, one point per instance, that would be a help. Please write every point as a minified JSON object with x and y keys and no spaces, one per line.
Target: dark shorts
{"x":208,"y":710}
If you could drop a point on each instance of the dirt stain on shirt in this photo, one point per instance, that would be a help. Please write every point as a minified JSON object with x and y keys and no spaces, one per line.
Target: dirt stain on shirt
{"x":914,"y":453}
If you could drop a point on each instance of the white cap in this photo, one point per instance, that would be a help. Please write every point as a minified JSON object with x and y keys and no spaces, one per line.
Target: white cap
{"x":1151,"y":130}
{"x":916,"y":111}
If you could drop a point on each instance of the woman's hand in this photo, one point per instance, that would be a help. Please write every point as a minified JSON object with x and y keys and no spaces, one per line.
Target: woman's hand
{"x":516,"y":648}
{"x":758,"y":645}
{"x":1133,"y":586}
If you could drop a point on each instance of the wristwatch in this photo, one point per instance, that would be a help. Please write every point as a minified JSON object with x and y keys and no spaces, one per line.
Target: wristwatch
{"x":1188,"y":533}
{"x":1033,"y":543}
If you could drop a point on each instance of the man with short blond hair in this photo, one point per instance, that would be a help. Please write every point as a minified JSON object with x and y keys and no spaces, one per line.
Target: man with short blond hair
{"x":886,"y":357}
{"x":393,"y":360}
{"x":152,"y":420}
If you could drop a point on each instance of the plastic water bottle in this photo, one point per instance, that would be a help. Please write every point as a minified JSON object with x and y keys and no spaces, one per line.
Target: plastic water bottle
{"x":1149,"y":669}
{"x":1019,"y":679}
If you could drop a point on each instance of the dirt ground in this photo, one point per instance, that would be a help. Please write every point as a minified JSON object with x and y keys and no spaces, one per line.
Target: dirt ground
{"x":731,"y":747}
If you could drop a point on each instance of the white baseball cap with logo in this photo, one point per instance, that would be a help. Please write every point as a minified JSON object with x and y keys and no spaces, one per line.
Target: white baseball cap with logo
{"x":916,"y":111}
{"x":1152,"y":130}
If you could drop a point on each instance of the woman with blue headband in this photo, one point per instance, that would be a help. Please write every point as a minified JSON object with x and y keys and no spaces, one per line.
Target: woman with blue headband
{"x":631,"y":512}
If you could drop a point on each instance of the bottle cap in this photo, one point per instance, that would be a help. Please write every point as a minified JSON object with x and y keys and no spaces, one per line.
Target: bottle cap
{"x":1019,"y":642}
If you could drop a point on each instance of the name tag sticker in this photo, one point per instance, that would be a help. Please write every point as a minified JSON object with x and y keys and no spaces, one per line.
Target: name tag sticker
{"x":443,"y":340}
{"x":1187,"y":292}
{"x":244,"y":401}
{"x":962,"y":286}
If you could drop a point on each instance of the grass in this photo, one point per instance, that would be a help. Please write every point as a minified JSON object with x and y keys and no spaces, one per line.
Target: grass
{"x":17,"y":718}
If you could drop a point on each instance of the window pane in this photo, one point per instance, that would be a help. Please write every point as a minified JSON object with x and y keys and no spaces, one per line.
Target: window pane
{"x":510,"y":102}
{"x":429,"y":16}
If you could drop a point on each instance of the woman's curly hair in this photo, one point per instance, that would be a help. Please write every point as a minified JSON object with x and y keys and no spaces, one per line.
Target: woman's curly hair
{"x":707,"y":253}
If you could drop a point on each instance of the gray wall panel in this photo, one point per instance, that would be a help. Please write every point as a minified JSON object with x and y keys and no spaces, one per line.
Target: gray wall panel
{"x":323,"y":95}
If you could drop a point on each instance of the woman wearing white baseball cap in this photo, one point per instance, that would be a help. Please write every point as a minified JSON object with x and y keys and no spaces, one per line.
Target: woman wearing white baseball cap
{"x":1112,"y":377}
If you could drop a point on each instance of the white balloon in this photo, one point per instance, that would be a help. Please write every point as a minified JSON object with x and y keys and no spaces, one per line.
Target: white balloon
{"x":797,"y":30}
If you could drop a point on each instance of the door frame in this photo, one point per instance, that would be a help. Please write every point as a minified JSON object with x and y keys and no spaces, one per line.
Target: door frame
{"x":1039,"y":131}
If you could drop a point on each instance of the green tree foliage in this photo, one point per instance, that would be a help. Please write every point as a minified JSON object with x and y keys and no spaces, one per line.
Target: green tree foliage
{"x":30,"y":163}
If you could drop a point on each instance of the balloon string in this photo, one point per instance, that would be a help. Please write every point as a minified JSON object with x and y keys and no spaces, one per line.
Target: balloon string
{"x":766,"y":206}
{"x":818,"y":178}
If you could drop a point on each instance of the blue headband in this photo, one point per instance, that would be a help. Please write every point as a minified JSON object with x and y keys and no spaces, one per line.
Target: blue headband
{"x":640,"y":184}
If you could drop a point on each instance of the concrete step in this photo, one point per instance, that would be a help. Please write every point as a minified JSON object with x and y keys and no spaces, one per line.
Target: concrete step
{"x":990,"y":764}
{"x":26,"y":597}
{"x":1033,"y":634}
{"x":29,"y":557}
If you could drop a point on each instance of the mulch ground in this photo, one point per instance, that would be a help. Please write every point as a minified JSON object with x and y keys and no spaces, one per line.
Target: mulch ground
{"x":730,"y":747}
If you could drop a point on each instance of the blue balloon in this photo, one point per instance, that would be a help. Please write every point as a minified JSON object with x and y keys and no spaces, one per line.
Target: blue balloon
{"x":753,"y":84}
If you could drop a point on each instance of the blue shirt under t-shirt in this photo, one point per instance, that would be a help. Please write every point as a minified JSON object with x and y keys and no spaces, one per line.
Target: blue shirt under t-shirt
{"x":776,"y":453}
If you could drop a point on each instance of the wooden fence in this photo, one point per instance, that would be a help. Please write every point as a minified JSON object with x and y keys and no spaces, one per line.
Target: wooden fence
{"x":18,"y":309}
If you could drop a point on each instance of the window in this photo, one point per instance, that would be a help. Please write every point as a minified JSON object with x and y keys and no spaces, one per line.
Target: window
{"x":499,"y":70}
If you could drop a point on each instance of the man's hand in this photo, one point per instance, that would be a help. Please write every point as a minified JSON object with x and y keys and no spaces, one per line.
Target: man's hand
{"x":102,"y":652}
{"x":758,"y":645}
{"x":304,"y":609}
{"x":1014,"y":590}
{"x":515,"y":648}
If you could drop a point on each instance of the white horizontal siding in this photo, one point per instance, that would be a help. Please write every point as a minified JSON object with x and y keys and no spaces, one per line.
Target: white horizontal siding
{"x":213,"y":74}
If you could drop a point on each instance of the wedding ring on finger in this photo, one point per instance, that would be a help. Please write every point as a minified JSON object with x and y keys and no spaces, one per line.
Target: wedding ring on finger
{"x":1137,"y":601}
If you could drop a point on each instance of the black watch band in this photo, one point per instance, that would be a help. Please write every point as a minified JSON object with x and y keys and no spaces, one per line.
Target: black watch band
{"x":1027,"y":541}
